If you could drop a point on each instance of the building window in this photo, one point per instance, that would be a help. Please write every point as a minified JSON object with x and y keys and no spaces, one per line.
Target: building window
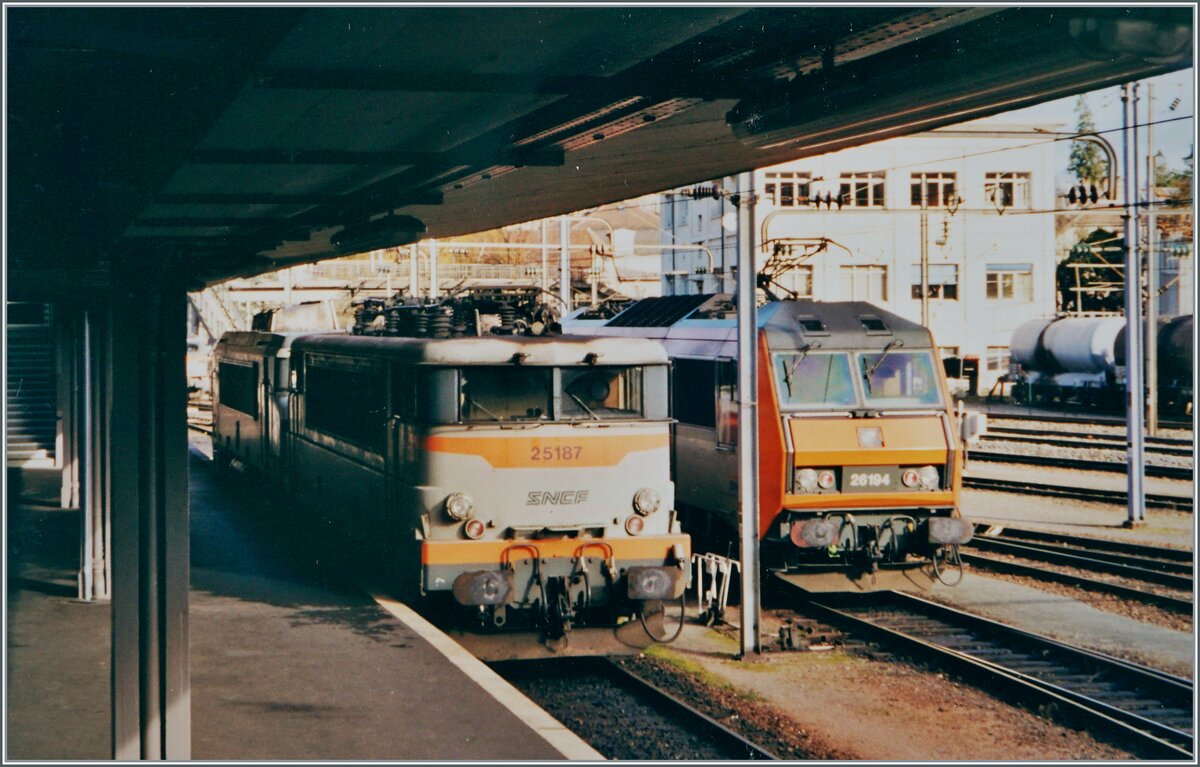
{"x":943,"y":281}
{"x":1010,"y":282}
{"x":933,"y":190}
{"x":788,"y":190}
{"x":1007,"y":190}
{"x":668,"y":211}
{"x":798,"y":280}
{"x":865,"y":283}
{"x":946,"y":352}
{"x":862,"y":190}
{"x":998,"y":359}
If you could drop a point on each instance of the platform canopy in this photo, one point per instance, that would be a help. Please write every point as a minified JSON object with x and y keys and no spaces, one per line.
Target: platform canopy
{"x":235,"y":140}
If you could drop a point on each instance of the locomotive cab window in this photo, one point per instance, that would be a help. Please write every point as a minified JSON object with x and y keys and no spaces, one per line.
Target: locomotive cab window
{"x":899,"y":379}
{"x":505,"y":394}
{"x":599,"y":393}
{"x":238,"y":387}
{"x":814,"y":381}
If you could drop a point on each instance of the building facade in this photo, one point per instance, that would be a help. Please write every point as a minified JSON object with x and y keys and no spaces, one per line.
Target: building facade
{"x":975,"y":203}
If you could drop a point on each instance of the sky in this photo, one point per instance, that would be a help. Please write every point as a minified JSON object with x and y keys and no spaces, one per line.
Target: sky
{"x":1173,"y":136}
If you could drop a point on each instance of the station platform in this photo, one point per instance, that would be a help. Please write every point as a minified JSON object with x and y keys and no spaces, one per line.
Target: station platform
{"x":288,"y":660}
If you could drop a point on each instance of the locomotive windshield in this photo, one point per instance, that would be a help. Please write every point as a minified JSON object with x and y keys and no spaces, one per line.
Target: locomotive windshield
{"x":599,"y":393}
{"x":896,"y":378}
{"x":814,"y":381}
{"x":505,"y":394}
{"x":529,"y":393}
{"x":892,"y":378}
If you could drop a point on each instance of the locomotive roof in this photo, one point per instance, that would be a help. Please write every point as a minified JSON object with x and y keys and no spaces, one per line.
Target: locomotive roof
{"x":263,"y":341}
{"x":489,"y":350}
{"x":838,"y":325}
{"x":689,"y":323}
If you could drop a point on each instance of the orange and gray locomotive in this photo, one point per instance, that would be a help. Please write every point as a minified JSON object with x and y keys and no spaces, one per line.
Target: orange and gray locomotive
{"x":525,"y":477}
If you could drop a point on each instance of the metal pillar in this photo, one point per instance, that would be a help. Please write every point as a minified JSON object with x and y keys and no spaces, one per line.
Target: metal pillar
{"x":564,"y":277}
{"x":1151,"y":272}
{"x":1133,"y":343}
{"x":434,"y":255}
{"x":66,"y":447}
{"x":146,"y":430}
{"x":414,"y":282}
{"x":545,"y":258}
{"x":92,"y":579}
{"x":924,"y":258}
{"x":747,"y":325}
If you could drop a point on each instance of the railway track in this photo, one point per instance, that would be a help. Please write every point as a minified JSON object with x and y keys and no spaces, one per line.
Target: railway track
{"x":623,"y":716}
{"x":1142,"y":709}
{"x":1077,"y":464}
{"x":1173,"y":446}
{"x":1140,"y":565}
{"x":1088,"y":420}
{"x":1095,"y":495}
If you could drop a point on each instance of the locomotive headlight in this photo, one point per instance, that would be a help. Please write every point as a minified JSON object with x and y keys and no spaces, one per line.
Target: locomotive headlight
{"x":635,"y":525}
{"x":910,"y":477}
{"x":646,"y":501}
{"x":826,"y":479}
{"x":806,"y":480}
{"x":929,"y":477}
{"x":474,"y":529}
{"x":459,"y":506}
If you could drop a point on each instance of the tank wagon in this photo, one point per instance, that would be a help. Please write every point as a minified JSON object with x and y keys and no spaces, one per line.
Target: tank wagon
{"x":859,"y":452}
{"x":1081,"y":360}
{"x":524,"y":478}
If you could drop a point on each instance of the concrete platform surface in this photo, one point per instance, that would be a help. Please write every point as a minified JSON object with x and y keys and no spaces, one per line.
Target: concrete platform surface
{"x":289,"y":661}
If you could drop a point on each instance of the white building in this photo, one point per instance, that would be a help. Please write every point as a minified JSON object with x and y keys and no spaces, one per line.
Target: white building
{"x":976,"y":199}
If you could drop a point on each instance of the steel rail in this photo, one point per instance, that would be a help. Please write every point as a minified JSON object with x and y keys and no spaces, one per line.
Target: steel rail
{"x":1089,"y":442}
{"x":667,"y":700}
{"x":1078,"y":464}
{"x":1094,"y":420}
{"x":1177,"y":502}
{"x":1042,"y":553}
{"x":1164,"y":601}
{"x":1146,"y":710}
{"x":1097,"y":544}
{"x":717,"y":734}
{"x":1147,"y":557}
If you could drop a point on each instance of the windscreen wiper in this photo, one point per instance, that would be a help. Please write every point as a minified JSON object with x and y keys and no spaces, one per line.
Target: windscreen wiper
{"x":484,"y":409}
{"x":788,"y":370}
{"x":886,"y":350}
{"x":585,"y":407}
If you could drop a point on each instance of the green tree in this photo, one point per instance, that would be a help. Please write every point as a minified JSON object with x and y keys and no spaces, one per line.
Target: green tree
{"x":1179,"y":182}
{"x":1086,"y":162}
